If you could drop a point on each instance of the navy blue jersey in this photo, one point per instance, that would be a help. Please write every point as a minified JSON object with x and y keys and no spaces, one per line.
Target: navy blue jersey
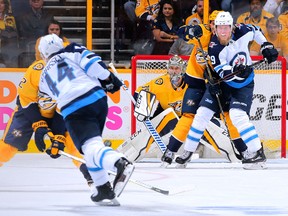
{"x":223,"y":58}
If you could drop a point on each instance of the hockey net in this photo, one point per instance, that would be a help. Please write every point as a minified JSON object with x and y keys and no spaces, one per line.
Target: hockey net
{"x":268,"y":112}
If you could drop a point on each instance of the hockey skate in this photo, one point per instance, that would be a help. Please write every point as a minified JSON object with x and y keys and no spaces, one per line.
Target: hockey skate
{"x":255,"y":160}
{"x":183,"y":159}
{"x":167,"y":158}
{"x":124,"y":171}
{"x":104,"y":196}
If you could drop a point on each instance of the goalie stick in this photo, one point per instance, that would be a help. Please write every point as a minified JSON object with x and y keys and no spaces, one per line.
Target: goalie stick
{"x":137,"y":182}
{"x":147,"y":123}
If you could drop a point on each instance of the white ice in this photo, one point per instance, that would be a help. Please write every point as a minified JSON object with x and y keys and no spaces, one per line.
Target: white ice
{"x":36,"y":185}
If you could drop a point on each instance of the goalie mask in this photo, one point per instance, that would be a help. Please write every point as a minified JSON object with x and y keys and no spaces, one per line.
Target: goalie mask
{"x":176,"y":69}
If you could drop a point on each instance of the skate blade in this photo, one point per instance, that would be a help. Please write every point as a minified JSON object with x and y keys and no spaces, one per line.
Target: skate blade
{"x":107,"y":202}
{"x":255,"y":166}
{"x":123,"y":180}
{"x":181,"y":166}
{"x":164,"y":165}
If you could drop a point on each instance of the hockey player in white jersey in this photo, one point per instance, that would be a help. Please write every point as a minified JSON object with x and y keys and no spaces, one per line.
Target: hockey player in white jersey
{"x":76,"y":78}
{"x":228,"y":51}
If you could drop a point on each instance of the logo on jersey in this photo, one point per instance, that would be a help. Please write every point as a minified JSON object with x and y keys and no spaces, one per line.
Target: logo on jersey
{"x":239,"y":58}
{"x":159,"y":81}
{"x":190,"y":103}
{"x":212,"y":44}
{"x":176,"y":105}
{"x":38,"y":66}
{"x":17,"y":133}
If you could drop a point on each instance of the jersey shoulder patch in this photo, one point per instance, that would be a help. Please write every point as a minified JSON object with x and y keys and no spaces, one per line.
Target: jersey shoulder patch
{"x":159,"y":81}
{"x":38,"y":66}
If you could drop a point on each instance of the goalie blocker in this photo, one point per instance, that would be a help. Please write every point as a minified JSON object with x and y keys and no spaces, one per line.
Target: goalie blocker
{"x":141,"y":144}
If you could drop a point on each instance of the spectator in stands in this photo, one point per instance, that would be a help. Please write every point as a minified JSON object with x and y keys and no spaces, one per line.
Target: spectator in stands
{"x":129,"y":8}
{"x":146,"y":11}
{"x":274,"y":6}
{"x":32,"y":25}
{"x":165,"y":27}
{"x":283,"y":19}
{"x":8,"y":35}
{"x":53,"y":27}
{"x":279,"y":41}
{"x":197,"y":14}
{"x":180,"y":46}
{"x":256,"y":16}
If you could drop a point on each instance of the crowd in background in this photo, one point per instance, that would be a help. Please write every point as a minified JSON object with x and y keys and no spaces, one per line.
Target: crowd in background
{"x":157,"y":25}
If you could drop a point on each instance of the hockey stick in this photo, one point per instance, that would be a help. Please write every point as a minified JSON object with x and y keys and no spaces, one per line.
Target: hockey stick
{"x":137,"y":182}
{"x":217,"y":97}
{"x":147,"y":123}
{"x":237,"y":72}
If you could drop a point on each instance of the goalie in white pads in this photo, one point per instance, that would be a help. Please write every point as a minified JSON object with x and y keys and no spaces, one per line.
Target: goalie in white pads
{"x":168,"y":90}
{"x":73,"y":77}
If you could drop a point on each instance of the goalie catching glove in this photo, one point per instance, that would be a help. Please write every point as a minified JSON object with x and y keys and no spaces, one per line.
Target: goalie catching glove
{"x":112,"y":84}
{"x":269,"y":52}
{"x":58,"y":143}
{"x":41,"y":130}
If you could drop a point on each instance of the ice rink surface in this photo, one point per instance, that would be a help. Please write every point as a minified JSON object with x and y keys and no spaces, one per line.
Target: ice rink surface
{"x":36,"y":185}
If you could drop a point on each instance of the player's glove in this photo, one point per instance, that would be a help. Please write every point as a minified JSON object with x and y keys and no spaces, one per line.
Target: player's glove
{"x":41,"y":130}
{"x":269,"y":52}
{"x":244,"y":70}
{"x":112,"y":84}
{"x":58,"y":143}
{"x":214,"y":89}
{"x":194,"y":31}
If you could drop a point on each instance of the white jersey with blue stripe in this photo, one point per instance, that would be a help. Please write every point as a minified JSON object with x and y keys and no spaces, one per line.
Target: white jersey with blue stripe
{"x":71,"y":74}
{"x":223,"y":58}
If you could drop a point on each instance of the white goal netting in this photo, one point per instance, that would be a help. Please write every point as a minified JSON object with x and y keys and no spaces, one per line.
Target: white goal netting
{"x":268,"y":112}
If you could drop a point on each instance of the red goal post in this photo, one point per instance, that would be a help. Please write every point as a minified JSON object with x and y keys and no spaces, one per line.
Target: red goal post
{"x":268,"y":112}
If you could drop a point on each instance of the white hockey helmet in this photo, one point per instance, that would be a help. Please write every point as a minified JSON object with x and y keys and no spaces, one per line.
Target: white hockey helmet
{"x":176,"y":69}
{"x":224,"y":18}
{"x":50,"y":44}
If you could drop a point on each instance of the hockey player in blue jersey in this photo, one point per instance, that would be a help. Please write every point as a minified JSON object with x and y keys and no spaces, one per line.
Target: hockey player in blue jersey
{"x":229,"y":52}
{"x":76,"y":79}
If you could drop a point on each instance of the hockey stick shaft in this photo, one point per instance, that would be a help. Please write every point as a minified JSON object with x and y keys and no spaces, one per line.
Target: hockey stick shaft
{"x":137,"y":182}
{"x":148,"y":124}
{"x":218,"y":99}
{"x":236,"y":72}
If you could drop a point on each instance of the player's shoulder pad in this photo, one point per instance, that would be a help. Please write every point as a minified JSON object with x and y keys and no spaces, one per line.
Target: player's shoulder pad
{"x":74,"y":47}
{"x":241,"y":28}
{"x":38,"y":65}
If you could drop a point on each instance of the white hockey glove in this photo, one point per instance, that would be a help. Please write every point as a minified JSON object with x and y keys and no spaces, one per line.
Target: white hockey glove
{"x":145,"y":105}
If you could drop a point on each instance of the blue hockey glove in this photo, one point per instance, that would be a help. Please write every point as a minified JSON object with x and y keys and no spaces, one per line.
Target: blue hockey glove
{"x":194,"y":31}
{"x":112,"y":84}
{"x":269,"y":52}
{"x":214,"y":89}
{"x":244,"y":70}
